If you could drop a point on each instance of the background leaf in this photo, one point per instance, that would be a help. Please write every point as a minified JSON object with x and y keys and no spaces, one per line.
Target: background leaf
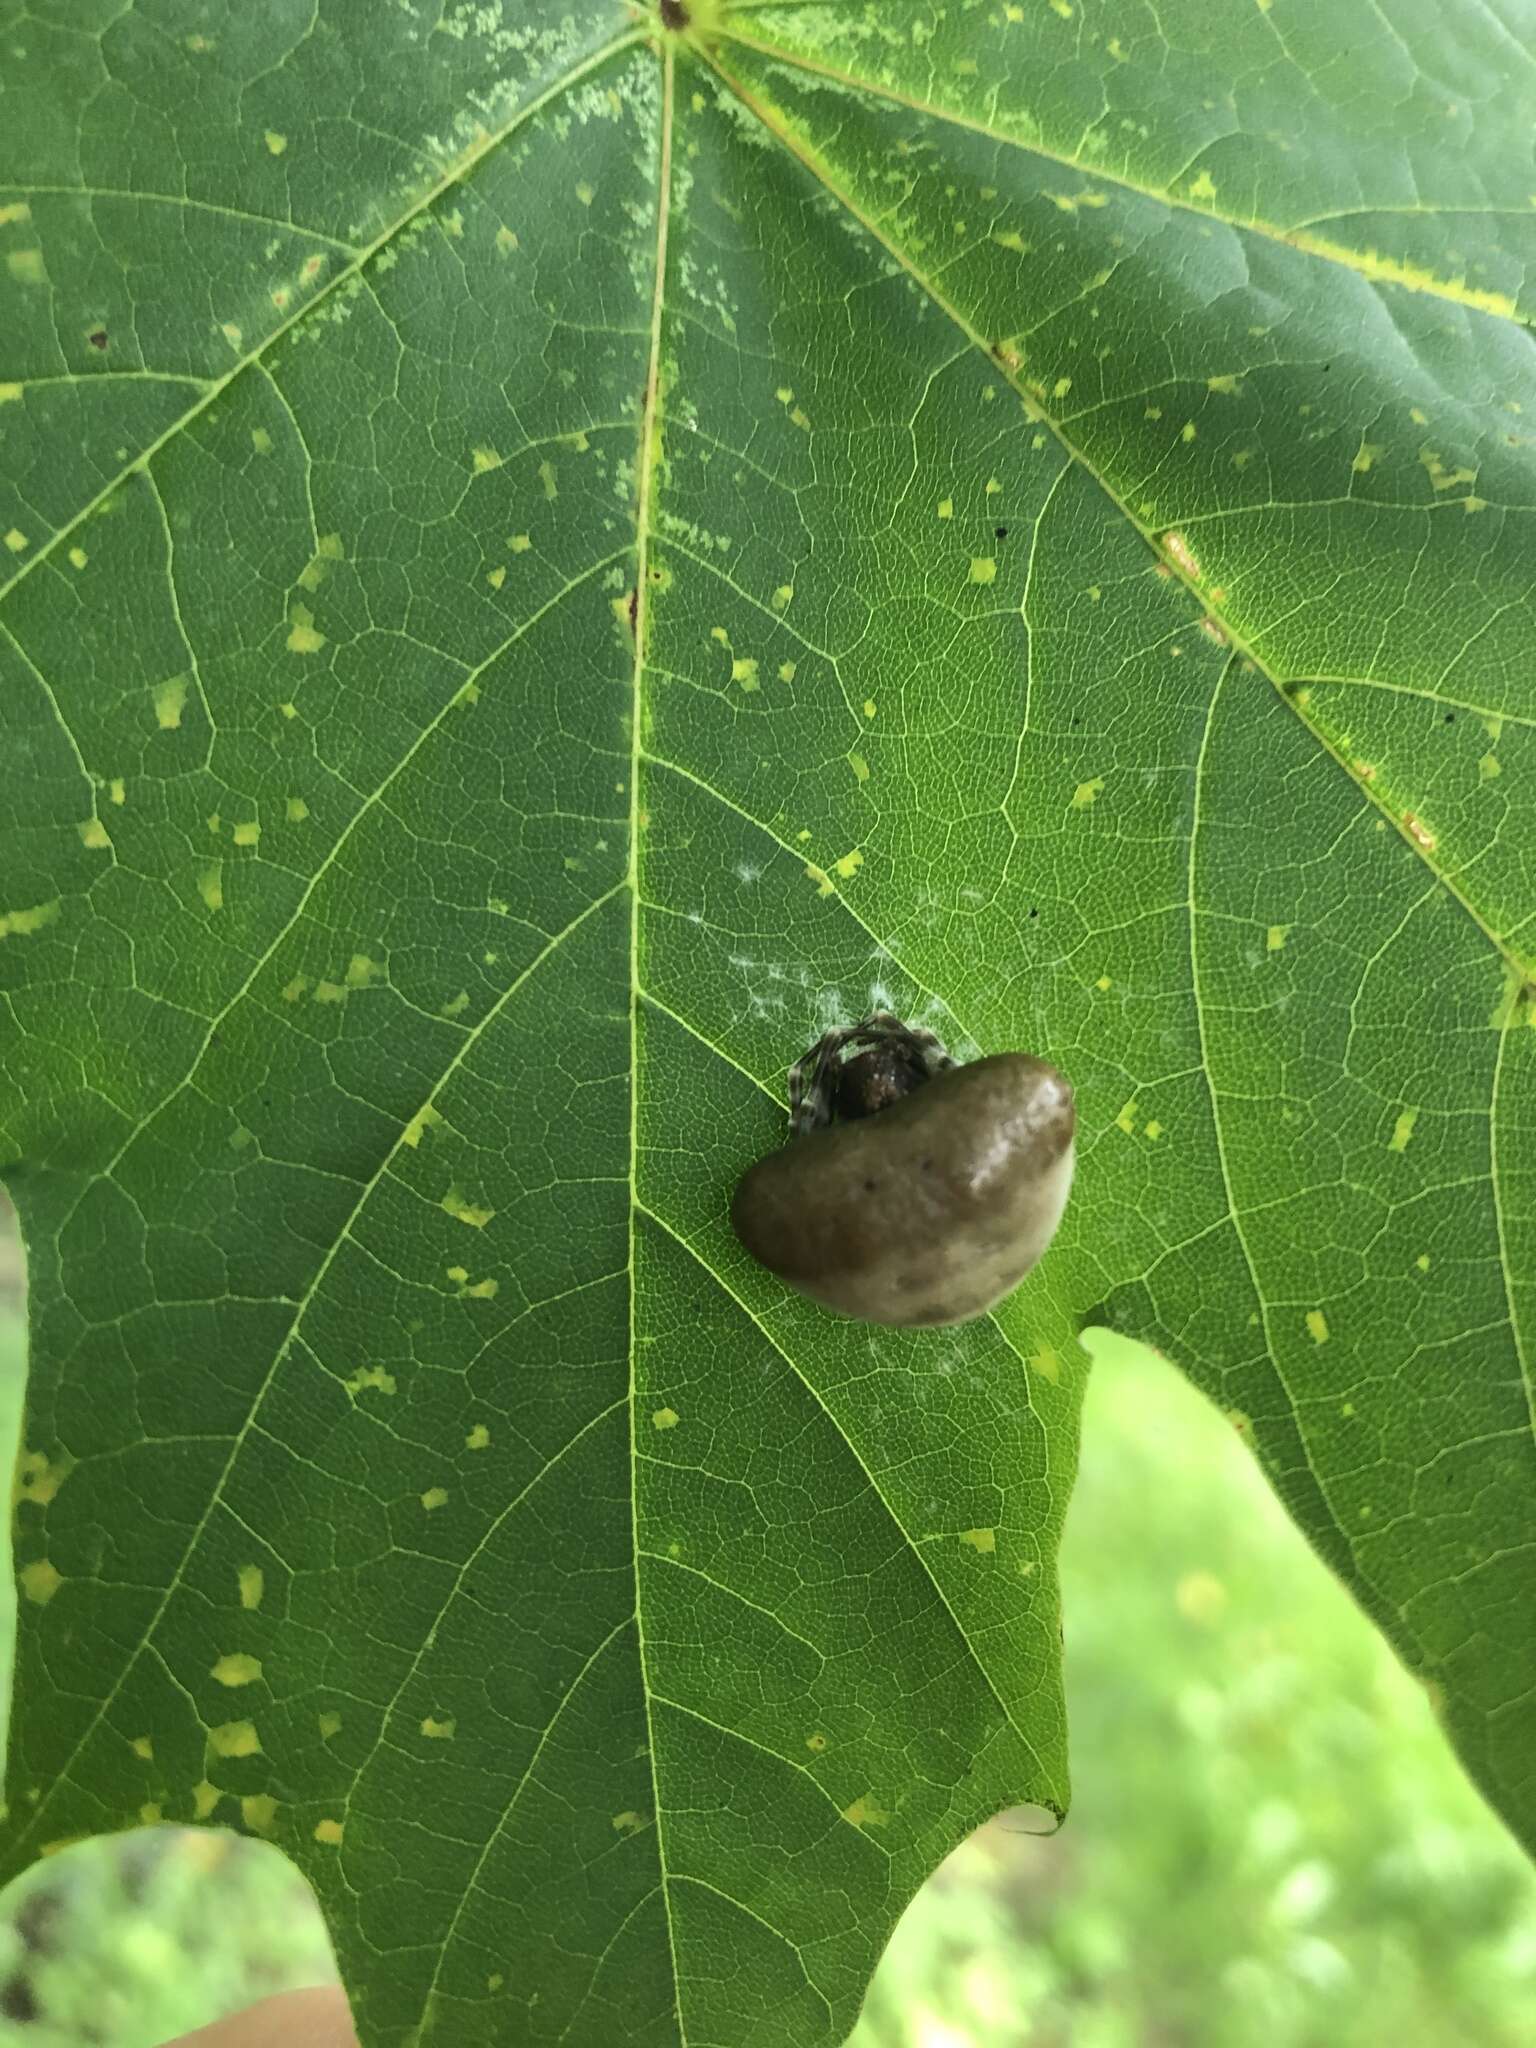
{"x":1070,"y":491}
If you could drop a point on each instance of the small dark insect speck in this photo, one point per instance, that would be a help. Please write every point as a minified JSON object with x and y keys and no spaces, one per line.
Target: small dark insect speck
{"x":999,"y":533}
{"x":673,"y":14}
{"x":1034,"y":913}
{"x":1450,"y":718}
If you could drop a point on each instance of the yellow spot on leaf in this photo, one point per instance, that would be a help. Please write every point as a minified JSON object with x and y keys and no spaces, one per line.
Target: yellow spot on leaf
{"x":275,"y":142}
{"x":210,"y":886}
{"x":237,"y":1669}
{"x":26,"y":266}
{"x":786,"y":671}
{"x":497,"y":576}
{"x":825,"y":886}
{"x":295,"y":810}
{"x":1422,"y":1262}
{"x":234,"y":1739}
{"x":40,"y":1581}
{"x":78,"y":557}
{"x":1488,"y":767}
{"x":1126,"y":1120}
{"x":664,"y":1418}
{"x":169,"y":698}
{"x":151,"y":1813}
{"x":330,"y":1724}
{"x":1317,"y":1326}
{"x":302,"y":636}
{"x":483,"y":459}
{"x":745,"y":673}
{"x":859,"y":766}
{"x":10,"y":394}
{"x":983,"y":1540}
{"x":506,"y":241}
{"x":292,"y":990}
{"x":629,"y":1822}
{"x":1202,"y":187}
{"x":94,"y":834}
{"x":1225,"y":386}
{"x":547,"y":478}
{"x":866,"y":1812}
{"x":1085,"y":793}
{"x":247,"y":832}
{"x":205,"y":1797}
{"x":22,"y":924}
{"x":1275,"y":938}
{"x":1402,"y":1130}
{"x":328,"y":1832}
{"x":261,"y":440}
{"x":143,"y":1748}
{"x":946,"y":508}
{"x":423,"y":1120}
{"x":318,"y":567}
{"x":983,"y":568}
{"x":1154,"y":1130}
{"x":478,"y":1438}
{"x":259,"y":1812}
{"x":435,"y":1497}
{"x":782,"y":595}
{"x":38,"y":1478}
{"x":253,"y":1583}
{"x":464,"y":1211}
{"x":439,"y":1731}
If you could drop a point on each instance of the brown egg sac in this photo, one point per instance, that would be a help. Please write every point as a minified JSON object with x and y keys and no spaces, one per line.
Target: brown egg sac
{"x":926,"y":1212}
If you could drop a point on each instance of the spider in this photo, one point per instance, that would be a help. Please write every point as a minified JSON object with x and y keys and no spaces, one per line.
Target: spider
{"x":825,"y":1088}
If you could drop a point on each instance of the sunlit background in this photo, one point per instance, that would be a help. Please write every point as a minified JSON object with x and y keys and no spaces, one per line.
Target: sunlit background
{"x":1269,"y":1842}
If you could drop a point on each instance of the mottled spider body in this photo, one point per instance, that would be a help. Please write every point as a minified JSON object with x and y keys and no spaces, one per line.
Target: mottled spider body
{"x":825,"y":1088}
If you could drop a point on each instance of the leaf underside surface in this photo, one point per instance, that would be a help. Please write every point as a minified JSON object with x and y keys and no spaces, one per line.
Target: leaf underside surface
{"x":549,"y":557}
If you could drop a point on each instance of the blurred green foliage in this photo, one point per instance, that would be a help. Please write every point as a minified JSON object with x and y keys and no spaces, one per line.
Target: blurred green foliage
{"x":1270,"y":1844}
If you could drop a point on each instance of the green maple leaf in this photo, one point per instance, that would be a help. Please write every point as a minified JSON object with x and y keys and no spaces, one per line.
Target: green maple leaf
{"x":550,"y":557}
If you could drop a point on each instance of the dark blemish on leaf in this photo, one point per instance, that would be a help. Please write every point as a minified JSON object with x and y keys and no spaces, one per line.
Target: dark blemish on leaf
{"x":97,"y":337}
{"x":673,"y":14}
{"x":37,"y":1918}
{"x":18,"y":2001}
{"x":634,"y":608}
{"x":870,"y":1186}
{"x":1034,"y":913}
{"x":1450,"y":718}
{"x":999,"y":533}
